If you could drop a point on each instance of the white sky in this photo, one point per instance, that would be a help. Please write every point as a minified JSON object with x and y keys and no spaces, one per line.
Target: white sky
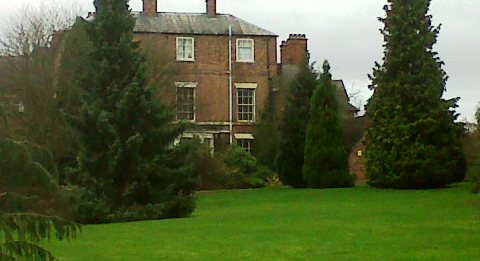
{"x":346,"y":33}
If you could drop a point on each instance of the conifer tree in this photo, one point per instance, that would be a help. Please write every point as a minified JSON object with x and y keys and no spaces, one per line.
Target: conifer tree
{"x":30,"y":203}
{"x":294,"y":121}
{"x":127,"y":161}
{"x":326,"y":159}
{"x":267,"y":135}
{"x":412,"y":140}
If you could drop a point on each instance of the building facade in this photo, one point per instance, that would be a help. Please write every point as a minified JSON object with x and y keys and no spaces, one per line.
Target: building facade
{"x":224,"y":67}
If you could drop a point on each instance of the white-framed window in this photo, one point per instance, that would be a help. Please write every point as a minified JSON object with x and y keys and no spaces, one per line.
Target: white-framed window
{"x":185,"y":49}
{"x":245,"y":50}
{"x":246,"y":141}
{"x":185,"y":101}
{"x":205,"y":138}
{"x":246,"y":102}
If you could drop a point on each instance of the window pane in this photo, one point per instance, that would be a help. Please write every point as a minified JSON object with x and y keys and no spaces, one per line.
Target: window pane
{"x":185,"y":48}
{"x":185,"y":103}
{"x":247,"y":144}
{"x":245,"y":50}
{"x":246,"y":104}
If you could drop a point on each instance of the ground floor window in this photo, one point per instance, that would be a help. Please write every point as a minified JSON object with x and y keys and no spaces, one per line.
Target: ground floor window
{"x":204,"y":137}
{"x":246,"y":141}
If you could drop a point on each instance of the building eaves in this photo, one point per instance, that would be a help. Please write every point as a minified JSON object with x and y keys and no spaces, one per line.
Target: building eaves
{"x":197,"y":24}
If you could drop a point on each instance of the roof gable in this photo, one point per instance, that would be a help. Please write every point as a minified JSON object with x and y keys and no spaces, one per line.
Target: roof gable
{"x":196,"y":23}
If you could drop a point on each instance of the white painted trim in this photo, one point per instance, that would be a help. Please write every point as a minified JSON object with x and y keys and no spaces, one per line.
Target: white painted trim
{"x":244,"y":136}
{"x":254,"y":119}
{"x":193,"y":49}
{"x":246,"y":85}
{"x":192,"y":85}
{"x":252,"y":60}
{"x":186,"y":84}
{"x":201,"y":135}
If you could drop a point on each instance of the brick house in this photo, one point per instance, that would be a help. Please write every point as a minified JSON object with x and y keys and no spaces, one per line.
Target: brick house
{"x":224,"y":69}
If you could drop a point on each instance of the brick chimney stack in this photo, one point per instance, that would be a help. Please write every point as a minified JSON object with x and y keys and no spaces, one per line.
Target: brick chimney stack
{"x":211,"y":8}
{"x":294,"y":51}
{"x":150,"y":8}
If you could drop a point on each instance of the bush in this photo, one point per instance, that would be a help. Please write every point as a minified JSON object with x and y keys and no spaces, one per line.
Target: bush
{"x":237,"y":158}
{"x":233,"y":169}
{"x":474,"y":175}
{"x":26,"y":171}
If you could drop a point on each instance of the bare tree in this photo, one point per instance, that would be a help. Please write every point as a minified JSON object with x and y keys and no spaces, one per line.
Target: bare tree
{"x":27,"y":70}
{"x":33,"y":27}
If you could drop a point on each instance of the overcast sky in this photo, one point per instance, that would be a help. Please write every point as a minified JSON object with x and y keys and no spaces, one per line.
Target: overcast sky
{"x":346,"y":33}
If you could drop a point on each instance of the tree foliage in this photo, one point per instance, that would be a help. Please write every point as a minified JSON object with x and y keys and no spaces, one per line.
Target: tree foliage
{"x":4,"y":132}
{"x":412,"y":140}
{"x":474,"y":169}
{"x":30,"y":200}
{"x":22,"y":233}
{"x":477,"y":115}
{"x":267,"y":134}
{"x":127,"y":162}
{"x":326,"y":158}
{"x":295,"y":117}
{"x":29,"y":48}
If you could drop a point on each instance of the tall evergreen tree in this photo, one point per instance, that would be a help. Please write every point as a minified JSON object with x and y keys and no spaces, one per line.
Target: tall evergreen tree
{"x":127,"y":161}
{"x":326,"y":158}
{"x":412,"y":140}
{"x":31,"y":203}
{"x":267,"y":135}
{"x":294,"y":121}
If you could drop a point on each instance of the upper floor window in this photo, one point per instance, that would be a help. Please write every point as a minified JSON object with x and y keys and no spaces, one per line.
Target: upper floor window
{"x":245,"y":50}
{"x":186,"y":101}
{"x":246,"y":102}
{"x":185,"y":49}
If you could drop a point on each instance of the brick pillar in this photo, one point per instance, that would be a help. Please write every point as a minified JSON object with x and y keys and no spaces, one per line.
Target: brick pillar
{"x":150,"y":8}
{"x":211,"y":8}
{"x":294,"y":50}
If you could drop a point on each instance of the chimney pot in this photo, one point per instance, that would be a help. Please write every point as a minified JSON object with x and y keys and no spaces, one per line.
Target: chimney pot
{"x":294,"y":51}
{"x":211,"y":8}
{"x":150,"y":8}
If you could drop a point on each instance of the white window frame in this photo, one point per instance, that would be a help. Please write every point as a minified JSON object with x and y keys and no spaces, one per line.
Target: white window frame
{"x":191,"y":85}
{"x":247,"y":86}
{"x":205,"y":138}
{"x":184,"y":58}
{"x":247,"y":137}
{"x":250,"y":59}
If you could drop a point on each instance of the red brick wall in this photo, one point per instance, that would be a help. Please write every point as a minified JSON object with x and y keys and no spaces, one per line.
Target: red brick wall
{"x":294,"y":50}
{"x":210,"y":71}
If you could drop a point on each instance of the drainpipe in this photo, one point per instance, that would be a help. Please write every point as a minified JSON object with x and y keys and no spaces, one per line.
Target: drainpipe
{"x":230,"y":85}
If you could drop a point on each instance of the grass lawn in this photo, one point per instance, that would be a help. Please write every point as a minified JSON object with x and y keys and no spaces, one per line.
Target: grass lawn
{"x":286,"y":224}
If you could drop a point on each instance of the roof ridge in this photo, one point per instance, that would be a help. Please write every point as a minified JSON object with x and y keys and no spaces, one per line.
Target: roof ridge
{"x":180,"y":13}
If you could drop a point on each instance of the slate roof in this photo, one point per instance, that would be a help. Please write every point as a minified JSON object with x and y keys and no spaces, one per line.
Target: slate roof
{"x":342,"y":94}
{"x":196,"y":23}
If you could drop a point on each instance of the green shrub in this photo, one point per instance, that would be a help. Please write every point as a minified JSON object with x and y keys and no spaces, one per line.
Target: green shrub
{"x":238,"y":158}
{"x":474,"y":175}
{"x":20,"y":174}
{"x":233,"y":169}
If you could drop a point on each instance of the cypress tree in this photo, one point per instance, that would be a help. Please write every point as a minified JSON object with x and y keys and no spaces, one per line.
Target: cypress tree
{"x":412,"y":140}
{"x":294,"y":121}
{"x":326,"y":159}
{"x":126,"y":134}
{"x":267,"y":135}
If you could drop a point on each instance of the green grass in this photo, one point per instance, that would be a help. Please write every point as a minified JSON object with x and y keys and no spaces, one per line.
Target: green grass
{"x":286,"y":224}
